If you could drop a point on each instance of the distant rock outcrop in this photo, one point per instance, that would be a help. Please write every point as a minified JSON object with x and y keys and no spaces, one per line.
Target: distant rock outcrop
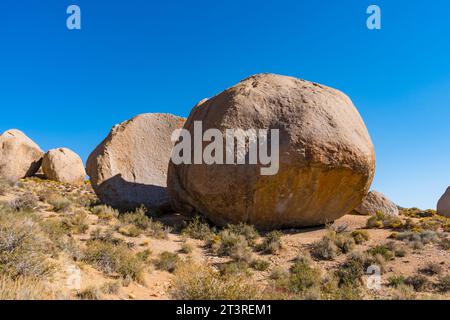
{"x":63,"y":165}
{"x":376,"y":202}
{"x":129,"y":168}
{"x":443,"y":206}
{"x":326,"y":156}
{"x":20,"y":157}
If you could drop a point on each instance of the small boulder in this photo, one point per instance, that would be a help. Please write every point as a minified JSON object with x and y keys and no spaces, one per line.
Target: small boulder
{"x":376,"y":202}
{"x":443,"y":206}
{"x":129,"y":168}
{"x":63,"y":165}
{"x":20,"y":157}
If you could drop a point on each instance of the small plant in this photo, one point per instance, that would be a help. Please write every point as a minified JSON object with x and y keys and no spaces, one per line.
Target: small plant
{"x":26,"y":202}
{"x":396,"y":281}
{"x":77,"y":223}
{"x":24,"y":288}
{"x":5,"y":186}
{"x":233,"y":268}
{"x":232,"y":245}
{"x":278,"y":273}
{"x":382,"y":250}
{"x":130,"y":231}
{"x":167,"y":261}
{"x":104,"y":212}
{"x":360,"y":236}
{"x":303,"y":279}
{"x":431,"y":269}
{"x":260,"y":264}
{"x":443,"y":284}
{"x":418,"y":282}
{"x":90,"y":293}
{"x":247,"y":231}
{"x":380,"y":221}
{"x":58,"y":202}
{"x":196,"y":229}
{"x":325,"y":249}
{"x":271,"y":243}
{"x":110,"y":259}
{"x":139,"y":220}
{"x":111,"y":287}
{"x":144,"y":255}
{"x":186,"y":248}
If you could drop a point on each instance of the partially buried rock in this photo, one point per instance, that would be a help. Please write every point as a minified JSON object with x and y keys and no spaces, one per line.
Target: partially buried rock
{"x":20,"y":157}
{"x":63,"y":165}
{"x":443,"y":206}
{"x":376,"y":202}
{"x":326,"y":156}
{"x":129,"y":168}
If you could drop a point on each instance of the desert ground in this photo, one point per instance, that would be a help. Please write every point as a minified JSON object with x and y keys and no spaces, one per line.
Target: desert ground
{"x":51,"y":232}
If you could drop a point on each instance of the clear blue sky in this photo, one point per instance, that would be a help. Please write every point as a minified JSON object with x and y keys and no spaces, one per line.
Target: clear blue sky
{"x":68,"y":88}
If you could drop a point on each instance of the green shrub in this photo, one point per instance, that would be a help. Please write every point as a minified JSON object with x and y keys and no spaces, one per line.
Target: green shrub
{"x":167,"y":261}
{"x":396,"y":281}
{"x":76,"y":223}
{"x":58,"y":202}
{"x":260,"y":264}
{"x":233,"y":268}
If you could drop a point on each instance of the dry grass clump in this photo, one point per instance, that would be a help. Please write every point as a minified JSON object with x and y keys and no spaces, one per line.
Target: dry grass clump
{"x":432,"y":269}
{"x":388,"y":251}
{"x":333,"y":244}
{"x":167,"y":261}
{"x":199,"y":282}
{"x":76,"y":223}
{"x":58,"y":202}
{"x":418,"y":282}
{"x":272,"y":243}
{"x":360,"y":236}
{"x":114,"y":259}
{"x":186,"y":248}
{"x":260,"y":264}
{"x":5,"y":186}
{"x":24,"y":248}
{"x":104,"y":212}
{"x":443,"y":284}
{"x":226,"y":243}
{"x":197,"y":229}
{"x":234,"y":268}
{"x":24,"y":288}
{"x":247,"y":231}
{"x":25,"y":202}
{"x":90,"y":293}
{"x":137,"y":222}
{"x":303,"y":280}
{"x":417,"y":213}
{"x":383,"y":221}
{"x":417,"y":240}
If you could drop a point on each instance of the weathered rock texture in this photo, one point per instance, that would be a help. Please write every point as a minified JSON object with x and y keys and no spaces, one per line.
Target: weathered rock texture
{"x":20,"y":157}
{"x":327,"y":159}
{"x":376,"y":202}
{"x":63,"y":165}
{"x":443,"y":206}
{"x":129,"y":168}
